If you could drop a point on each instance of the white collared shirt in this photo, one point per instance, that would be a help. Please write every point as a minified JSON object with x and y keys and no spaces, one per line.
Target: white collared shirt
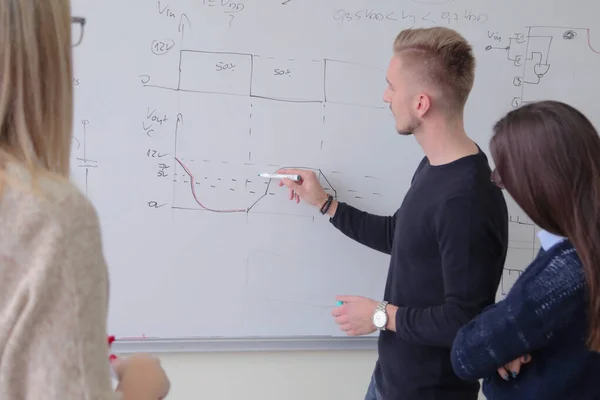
{"x":548,"y":239}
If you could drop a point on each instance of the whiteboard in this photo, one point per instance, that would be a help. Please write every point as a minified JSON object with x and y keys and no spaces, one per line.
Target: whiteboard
{"x":180,"y":104}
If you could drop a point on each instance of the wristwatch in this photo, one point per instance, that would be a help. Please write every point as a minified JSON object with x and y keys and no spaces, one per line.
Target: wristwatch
{"x":380,"y":317}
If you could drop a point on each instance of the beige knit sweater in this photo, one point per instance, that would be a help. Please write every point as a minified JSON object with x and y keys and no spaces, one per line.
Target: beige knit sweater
{"x":53,"y":294}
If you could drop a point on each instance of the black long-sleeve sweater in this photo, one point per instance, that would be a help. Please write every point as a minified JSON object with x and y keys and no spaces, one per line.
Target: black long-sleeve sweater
{"x":448,"y":244}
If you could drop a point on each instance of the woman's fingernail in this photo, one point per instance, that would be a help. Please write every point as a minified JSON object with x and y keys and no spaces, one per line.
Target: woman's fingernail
{"x":505,"y":377}
{"x":514,"y":374}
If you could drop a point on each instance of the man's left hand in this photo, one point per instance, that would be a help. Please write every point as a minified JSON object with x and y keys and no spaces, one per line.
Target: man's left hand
{"x":355,"y":316}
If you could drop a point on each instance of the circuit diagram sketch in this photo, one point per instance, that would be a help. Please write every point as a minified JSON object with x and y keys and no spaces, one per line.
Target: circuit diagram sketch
{"x":547,"y":62}
{"x":538,"y":53}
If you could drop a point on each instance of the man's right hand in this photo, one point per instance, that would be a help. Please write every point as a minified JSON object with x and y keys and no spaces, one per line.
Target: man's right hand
{"x":309,"y":188}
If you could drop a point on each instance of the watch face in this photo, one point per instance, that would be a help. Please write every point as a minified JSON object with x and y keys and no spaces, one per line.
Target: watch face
{"x":379,"y":319}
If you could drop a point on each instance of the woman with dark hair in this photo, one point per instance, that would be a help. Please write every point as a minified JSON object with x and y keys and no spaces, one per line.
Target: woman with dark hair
{"x":547,"y":157}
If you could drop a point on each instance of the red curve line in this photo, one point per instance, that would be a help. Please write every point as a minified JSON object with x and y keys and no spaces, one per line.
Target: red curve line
{"x":192,"y":181}
{"x":589,"y":40}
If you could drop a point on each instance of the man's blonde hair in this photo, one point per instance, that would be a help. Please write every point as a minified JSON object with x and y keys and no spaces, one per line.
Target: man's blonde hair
{"x":36,"y":88}
{"x":440,"y":57}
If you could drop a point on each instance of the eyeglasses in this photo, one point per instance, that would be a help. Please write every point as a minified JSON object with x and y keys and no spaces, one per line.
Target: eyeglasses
{"x":77,"y":26}
{"x":496,"y":180}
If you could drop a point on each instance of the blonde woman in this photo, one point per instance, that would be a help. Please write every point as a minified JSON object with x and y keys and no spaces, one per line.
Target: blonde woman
{"x":53,"y":277}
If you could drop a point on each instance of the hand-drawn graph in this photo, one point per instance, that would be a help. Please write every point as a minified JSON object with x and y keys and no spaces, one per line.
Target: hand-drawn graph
{"x":253,"y":190}
{"x":239,"y":93}
{"x":290,"y":80}
{"x":80,"y":144}
{"x":231,"y":116}
{"x":541,"y":52}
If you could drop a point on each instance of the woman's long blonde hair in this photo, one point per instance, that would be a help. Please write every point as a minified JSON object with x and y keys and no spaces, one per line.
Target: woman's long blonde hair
{"x":36,"y":89}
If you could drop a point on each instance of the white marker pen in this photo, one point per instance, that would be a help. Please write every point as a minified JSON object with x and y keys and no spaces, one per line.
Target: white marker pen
{"x":295,"y":178}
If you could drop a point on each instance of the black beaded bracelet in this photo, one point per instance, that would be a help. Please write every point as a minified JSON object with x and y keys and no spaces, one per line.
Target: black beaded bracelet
{"x":327,"y":204}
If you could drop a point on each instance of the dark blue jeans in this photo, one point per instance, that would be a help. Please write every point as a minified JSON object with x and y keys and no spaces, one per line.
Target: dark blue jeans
{"x":372,"y":392}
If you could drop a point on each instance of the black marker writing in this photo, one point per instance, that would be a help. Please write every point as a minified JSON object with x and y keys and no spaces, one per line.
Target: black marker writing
{"x":154,"y":204}
{"x":222,"y":66}
{"x":165,"y":10}
{"x":160,"y":47}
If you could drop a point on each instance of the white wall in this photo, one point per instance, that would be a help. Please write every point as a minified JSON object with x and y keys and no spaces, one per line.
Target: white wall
{"x":269,"y":376}
{"x":330,"y":375}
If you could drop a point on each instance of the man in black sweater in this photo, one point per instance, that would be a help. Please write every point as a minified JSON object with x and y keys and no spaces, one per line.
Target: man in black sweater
{"x":447,"y":241}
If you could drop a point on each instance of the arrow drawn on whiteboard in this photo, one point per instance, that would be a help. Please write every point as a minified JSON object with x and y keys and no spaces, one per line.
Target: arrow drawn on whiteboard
{"x":182,"y":24}
{"x":179,"y":121}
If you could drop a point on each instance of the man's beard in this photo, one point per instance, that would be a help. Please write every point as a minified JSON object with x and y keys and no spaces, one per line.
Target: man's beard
{"x":410,"y":127}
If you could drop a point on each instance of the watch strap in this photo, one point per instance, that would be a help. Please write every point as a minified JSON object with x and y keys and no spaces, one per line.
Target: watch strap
{"x":325,"y":207}
{"x":381,"y":307}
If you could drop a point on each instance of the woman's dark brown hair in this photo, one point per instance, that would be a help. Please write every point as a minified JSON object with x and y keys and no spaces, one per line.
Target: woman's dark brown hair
{"x":547,"y":156}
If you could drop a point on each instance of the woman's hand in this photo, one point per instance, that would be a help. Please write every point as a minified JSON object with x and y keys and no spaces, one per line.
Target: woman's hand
{"x":514,"y":367}
{"x":141,"y":377}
